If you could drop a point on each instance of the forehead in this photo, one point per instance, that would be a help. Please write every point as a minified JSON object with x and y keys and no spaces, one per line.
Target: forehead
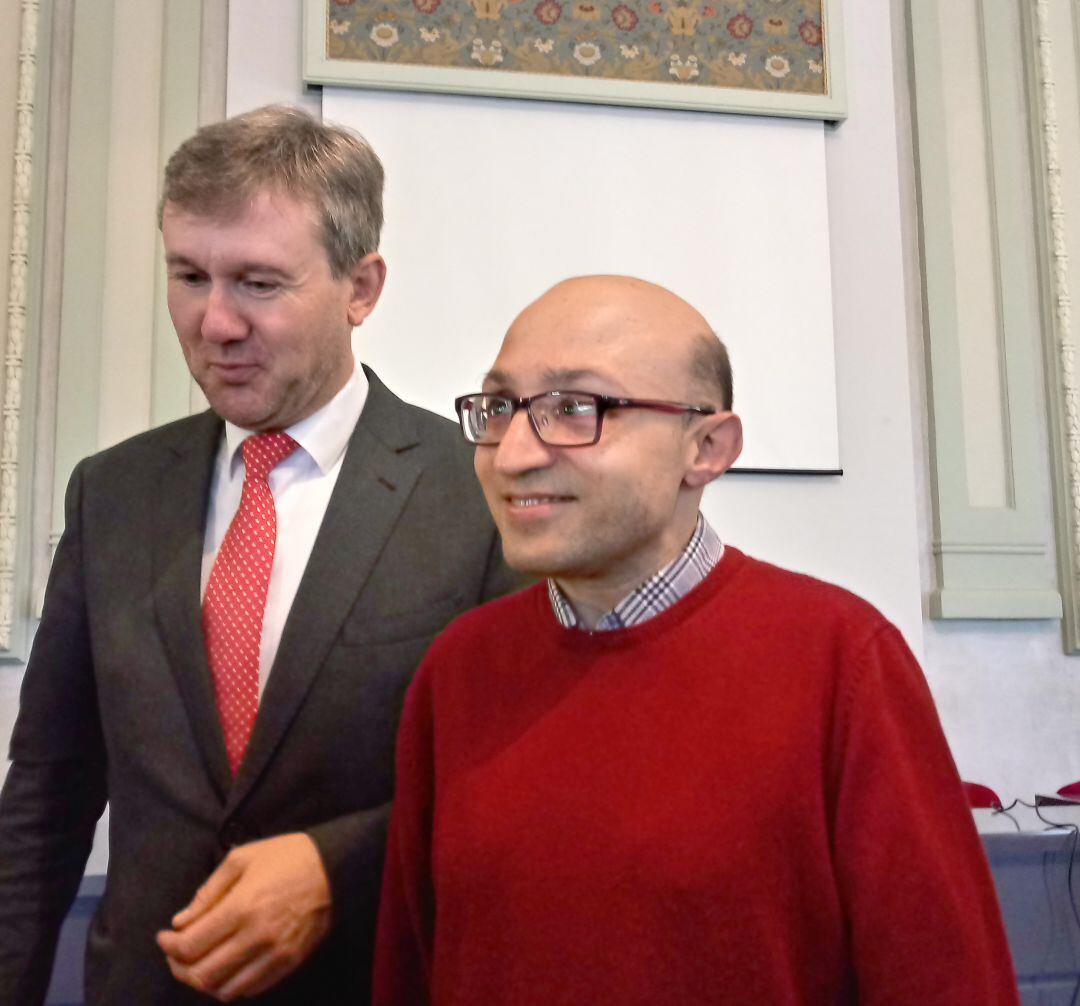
{"x":267,"y":223}
{"x":594,"y":344}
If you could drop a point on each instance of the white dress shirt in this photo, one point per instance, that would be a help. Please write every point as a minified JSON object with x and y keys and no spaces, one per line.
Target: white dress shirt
{"x":301,"y":485}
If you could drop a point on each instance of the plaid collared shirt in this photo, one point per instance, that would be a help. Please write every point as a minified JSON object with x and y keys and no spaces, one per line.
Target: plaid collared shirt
{"x":660,"y":591}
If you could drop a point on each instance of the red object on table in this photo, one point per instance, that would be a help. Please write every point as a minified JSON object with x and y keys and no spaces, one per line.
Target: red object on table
{"x":979,"y":796}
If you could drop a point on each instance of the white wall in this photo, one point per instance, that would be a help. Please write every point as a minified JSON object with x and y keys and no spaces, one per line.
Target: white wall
{"x":542,"y":190}
{"x":1006,"y":694}
{"x":1008,"y":697}
{"x":860,"y":529}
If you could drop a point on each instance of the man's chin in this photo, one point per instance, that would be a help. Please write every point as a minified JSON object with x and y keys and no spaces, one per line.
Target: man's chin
{"x":526,"y":561}
{"x":540,"y":563}
{"x":240,"y":408}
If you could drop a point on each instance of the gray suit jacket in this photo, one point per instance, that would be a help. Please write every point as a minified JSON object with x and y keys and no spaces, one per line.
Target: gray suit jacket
{"x":118,"y":704}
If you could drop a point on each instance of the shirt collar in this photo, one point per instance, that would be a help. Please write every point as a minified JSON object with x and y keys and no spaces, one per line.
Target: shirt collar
{"x":658,"y":593}
{"x":324,"y":434}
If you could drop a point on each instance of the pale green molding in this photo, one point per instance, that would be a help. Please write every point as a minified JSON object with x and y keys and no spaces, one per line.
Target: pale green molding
{"x":170,"y":395}
{"x":1062,"y":384}
{"x":54,"y":362}
{"x":192,"y":95}
{"x":19,"y":344}
{"x":991,"y":560}
{"x":49,"y":214}
{"x":190,"y":31}
{"x":79,"y":365}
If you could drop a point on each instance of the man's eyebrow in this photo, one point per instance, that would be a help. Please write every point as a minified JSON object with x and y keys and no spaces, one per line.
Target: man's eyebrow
{"x":496,"y":377}
{"x":243,"y":268}
{"x":263,"y":267}
{"x":177,"y":259}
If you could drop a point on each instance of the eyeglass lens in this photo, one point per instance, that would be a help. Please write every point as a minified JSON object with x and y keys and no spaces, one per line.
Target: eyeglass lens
{"x":559,"y":418}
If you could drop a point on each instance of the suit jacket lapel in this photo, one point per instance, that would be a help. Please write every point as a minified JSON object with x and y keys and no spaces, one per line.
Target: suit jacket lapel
{"x":180,"y":522}
{"x":373,"y":485}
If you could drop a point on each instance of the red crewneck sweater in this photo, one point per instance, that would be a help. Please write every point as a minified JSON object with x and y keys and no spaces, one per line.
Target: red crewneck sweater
{"x":747,"y":799}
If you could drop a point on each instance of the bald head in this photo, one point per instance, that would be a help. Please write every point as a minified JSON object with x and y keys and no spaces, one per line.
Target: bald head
{"x":624,"y":298}
{"x":601,"y":516}
{"x":634,"y":321}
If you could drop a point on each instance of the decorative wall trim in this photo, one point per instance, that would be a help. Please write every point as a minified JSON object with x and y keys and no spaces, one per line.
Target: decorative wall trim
{"x":1060,"y":259}
{"x":16,"y":314}
{"x":1001,"y":391}
{"x":192,"y":95}
{"x":988,"y":548}
{"x":995,"y":604}
{"x":54,"y":133}
{"x":1074,"y":53}
{"x":989,"y":558}
{"x":1063,"y":388}
{"x":213,"y":60}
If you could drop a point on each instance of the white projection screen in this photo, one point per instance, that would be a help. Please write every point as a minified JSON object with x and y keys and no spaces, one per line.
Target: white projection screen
{"x":489,"y":201}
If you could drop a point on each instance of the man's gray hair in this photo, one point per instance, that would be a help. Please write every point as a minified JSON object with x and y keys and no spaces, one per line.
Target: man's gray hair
{"x":283,"y":150}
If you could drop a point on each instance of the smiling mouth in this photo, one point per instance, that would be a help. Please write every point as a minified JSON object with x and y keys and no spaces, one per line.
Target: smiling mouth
{"x":524,"y":502}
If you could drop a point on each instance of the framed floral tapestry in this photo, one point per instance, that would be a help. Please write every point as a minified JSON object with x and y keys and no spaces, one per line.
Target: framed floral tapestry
{"x":769,"y":57}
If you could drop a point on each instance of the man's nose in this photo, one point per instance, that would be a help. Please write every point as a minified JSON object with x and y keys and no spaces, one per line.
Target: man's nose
{"x":221,"y":321}
{"x":521,"y":449}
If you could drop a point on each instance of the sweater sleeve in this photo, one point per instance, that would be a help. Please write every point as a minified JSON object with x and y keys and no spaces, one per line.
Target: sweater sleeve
{"x":923,"y":917}
{"x":403,"y":947}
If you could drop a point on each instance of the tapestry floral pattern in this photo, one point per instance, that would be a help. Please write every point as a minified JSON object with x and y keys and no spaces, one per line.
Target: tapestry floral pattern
{"x":760,"y":45}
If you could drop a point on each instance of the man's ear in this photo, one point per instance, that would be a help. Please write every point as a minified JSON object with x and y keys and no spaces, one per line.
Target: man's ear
{"x":367,"y":278}
{"x":718,"y":442}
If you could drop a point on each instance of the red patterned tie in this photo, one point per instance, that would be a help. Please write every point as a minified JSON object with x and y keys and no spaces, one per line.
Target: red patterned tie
{"x":236,"y":594}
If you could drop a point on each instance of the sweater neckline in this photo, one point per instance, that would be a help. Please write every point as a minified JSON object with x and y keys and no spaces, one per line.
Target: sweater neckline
{"x":721,"y":575}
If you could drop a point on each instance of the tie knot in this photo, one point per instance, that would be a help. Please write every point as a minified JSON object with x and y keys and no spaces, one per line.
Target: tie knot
{"x":262,"y":453}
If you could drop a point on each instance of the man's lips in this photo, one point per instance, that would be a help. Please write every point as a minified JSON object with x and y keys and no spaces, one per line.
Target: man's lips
{"x":523,"y":501}
{"x":234,"y":371}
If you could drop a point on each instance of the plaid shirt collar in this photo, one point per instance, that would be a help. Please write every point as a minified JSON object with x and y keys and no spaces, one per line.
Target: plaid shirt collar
{"x":659,"y":592}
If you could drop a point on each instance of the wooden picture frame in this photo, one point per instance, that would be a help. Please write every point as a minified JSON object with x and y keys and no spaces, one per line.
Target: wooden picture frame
{"x":753,"y":57}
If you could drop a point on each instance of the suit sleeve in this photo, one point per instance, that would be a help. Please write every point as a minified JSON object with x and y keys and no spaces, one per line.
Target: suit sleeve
{"x":404,"y":945}
{"x":352,"y":847}
{"x":54,"y":792}
{"x":923,"y":914}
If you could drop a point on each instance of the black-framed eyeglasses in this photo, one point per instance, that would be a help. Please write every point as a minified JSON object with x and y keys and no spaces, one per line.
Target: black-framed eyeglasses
{"x":559,"y":418}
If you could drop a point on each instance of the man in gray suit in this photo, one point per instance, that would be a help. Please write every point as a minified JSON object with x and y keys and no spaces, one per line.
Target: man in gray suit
{"x":223,"y":651}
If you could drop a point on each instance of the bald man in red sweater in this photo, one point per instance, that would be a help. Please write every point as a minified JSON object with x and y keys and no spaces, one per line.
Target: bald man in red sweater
{"x":671,"y":773}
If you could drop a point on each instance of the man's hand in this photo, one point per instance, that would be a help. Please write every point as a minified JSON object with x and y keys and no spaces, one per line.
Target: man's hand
{"x":257,"y":918}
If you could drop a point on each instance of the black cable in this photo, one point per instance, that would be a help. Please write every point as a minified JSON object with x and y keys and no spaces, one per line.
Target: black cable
{"x":995,"y":811}
{"x":1072,"y":901}
{"x":1068,"y":871}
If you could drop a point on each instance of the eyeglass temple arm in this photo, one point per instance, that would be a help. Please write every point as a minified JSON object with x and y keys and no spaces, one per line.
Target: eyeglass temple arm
{"x":642,"y":403}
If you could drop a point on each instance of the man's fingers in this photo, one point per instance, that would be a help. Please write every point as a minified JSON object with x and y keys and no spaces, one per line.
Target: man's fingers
{"x":215,"y":887}
{"x":212,"y":972}
{"x":269,"y":899}
{"x":183,"y":973}
{"x":257,"y":976}
{"x":200,"y":937}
